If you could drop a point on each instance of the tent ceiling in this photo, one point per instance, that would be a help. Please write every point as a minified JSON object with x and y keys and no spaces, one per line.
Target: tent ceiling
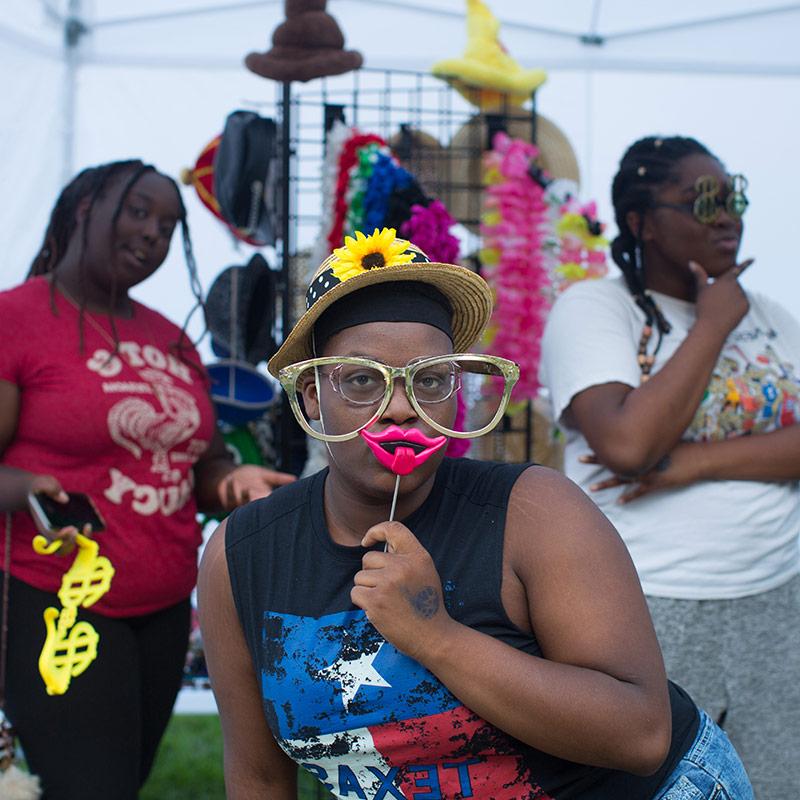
{"x":744,"y":36}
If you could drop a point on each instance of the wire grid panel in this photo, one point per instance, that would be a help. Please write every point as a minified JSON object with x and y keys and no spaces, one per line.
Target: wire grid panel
{"x":434,"y":133}
{"x":437,"y":136}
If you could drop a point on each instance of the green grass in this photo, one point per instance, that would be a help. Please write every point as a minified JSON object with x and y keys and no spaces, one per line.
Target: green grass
{"x":189,"y":764}
{"x":189,"y":761}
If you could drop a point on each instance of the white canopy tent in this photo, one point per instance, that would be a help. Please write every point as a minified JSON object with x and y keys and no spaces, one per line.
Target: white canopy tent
{"x":87,"y":81}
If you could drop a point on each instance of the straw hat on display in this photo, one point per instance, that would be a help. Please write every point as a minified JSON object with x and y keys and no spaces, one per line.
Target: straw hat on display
{"x":557,"y":159}
{"x":422,"y":155}
{"x":382,"y":258}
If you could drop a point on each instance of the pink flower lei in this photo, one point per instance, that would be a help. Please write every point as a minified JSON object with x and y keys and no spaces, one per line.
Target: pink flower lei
{"x":537,"y":240}
{"x":514,"y":226}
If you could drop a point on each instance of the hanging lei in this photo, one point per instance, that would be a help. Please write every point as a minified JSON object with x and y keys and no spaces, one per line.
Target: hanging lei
{"x":337,"y":138}
{"x":537,"y":240}
{"x":578,"y":245}
{"x":429,"y":228}
{"x":365,"y":187}
{"x":347,"y":160}
{"x":514,"y":227}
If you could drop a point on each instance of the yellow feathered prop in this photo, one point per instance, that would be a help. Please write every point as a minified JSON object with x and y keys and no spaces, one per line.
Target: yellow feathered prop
{"x":486,"y":75}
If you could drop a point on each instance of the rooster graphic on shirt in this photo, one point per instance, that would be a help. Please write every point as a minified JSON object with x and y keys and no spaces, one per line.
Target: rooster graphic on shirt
{"x":142,"y":426}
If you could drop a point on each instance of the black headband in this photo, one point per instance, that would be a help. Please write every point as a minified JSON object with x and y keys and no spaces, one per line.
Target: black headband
{"x":393,"y":301}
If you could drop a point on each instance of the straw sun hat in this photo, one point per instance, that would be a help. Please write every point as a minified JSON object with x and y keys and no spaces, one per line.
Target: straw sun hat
{"x":422,"y":155}
{"x":467,"y":146}
{"x":382,"y":258}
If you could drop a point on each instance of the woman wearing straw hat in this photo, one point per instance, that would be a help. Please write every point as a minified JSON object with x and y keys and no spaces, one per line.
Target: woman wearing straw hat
{"x":686,"y":389}
{"x":407,"y":625}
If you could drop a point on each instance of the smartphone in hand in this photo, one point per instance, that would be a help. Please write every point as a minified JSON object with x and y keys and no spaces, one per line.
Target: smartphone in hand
{"x":79,"y":511}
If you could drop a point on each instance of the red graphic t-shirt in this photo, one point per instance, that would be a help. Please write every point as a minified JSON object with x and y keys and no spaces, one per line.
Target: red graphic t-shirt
{"x":124,"y":427}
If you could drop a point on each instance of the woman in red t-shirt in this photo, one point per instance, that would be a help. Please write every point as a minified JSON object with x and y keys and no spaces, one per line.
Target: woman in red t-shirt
{"x":101,"y":395}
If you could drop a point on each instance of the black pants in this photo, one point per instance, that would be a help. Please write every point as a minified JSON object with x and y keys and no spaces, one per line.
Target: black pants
{"x":99,"y":739}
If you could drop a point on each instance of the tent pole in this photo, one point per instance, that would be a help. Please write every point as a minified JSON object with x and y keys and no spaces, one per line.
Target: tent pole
{"x":74,"y":29}
{"x":286,"y":449}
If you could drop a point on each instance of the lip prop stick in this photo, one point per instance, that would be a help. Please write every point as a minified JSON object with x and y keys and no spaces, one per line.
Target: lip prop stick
{"x":404,"y":459}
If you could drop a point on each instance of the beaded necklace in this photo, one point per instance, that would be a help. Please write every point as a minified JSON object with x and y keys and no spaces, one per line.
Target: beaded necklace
{"x":645,"y":359}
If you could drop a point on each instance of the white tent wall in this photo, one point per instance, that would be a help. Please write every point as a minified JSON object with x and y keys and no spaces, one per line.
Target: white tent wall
{"x":160,"y":89}
{"x":167,"y":120}
{"x":31,"y":136}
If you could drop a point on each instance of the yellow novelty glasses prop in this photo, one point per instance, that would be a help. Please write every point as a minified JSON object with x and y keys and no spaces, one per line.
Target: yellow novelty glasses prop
{"x":706,"y":207}
{"x":365,"y":387}
{"x":71,"y":647}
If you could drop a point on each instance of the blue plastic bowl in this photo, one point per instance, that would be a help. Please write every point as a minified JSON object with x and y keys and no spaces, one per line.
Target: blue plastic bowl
{"x":240,"y":392}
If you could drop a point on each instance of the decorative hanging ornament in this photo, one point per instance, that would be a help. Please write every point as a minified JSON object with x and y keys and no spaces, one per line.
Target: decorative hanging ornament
{"x":486,"y":75}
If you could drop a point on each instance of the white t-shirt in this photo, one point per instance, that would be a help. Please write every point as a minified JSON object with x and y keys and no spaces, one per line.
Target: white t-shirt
{"x":712,"y":539}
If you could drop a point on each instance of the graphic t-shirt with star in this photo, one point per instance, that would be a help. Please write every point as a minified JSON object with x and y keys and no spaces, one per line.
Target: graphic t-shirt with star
{"x":368,"y":721}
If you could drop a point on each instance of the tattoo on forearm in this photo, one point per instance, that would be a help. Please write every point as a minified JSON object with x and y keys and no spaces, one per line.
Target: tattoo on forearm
{"x":425,"y":602}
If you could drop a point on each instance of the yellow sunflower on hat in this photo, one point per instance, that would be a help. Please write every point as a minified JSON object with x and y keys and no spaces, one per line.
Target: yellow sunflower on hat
{"x":362,"y":253}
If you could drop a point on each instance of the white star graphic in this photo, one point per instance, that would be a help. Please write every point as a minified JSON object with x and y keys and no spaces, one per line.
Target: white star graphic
{"x":354,"y":674}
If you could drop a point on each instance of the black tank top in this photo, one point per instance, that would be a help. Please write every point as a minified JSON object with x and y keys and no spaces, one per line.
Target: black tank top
{"x":366,"y":720}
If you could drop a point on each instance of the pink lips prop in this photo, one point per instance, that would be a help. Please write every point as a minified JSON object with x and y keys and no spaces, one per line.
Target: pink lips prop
{"x":403,"y":460}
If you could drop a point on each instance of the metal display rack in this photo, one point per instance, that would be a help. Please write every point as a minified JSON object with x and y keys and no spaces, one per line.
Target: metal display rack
{"x":437,"y":136}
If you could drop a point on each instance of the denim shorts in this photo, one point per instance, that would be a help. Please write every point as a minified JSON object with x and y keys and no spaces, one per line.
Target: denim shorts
{"x":710,"y":770}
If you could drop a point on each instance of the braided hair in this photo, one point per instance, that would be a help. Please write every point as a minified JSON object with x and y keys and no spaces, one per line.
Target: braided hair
{"x":648,"y":164}
{"x":90,"y":184}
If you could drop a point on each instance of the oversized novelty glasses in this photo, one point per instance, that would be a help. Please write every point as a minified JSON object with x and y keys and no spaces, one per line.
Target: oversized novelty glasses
{"x":354,"y":392}
{"x":707,"y":205}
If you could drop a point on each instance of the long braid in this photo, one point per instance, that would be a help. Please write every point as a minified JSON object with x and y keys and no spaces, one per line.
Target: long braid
{"x":647,"y":165}
{"x":184,"y":341}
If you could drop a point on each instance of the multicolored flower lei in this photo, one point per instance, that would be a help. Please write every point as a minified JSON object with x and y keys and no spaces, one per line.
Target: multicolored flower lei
{"x":365,"y":187}
{"x":579,"y":247}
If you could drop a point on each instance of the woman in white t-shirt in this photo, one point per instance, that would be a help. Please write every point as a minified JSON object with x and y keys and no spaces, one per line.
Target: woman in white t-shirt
{"x":679,"y":395}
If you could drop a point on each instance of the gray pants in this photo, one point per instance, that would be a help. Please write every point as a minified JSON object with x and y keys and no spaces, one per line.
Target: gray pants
{"x":740,"y":661}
